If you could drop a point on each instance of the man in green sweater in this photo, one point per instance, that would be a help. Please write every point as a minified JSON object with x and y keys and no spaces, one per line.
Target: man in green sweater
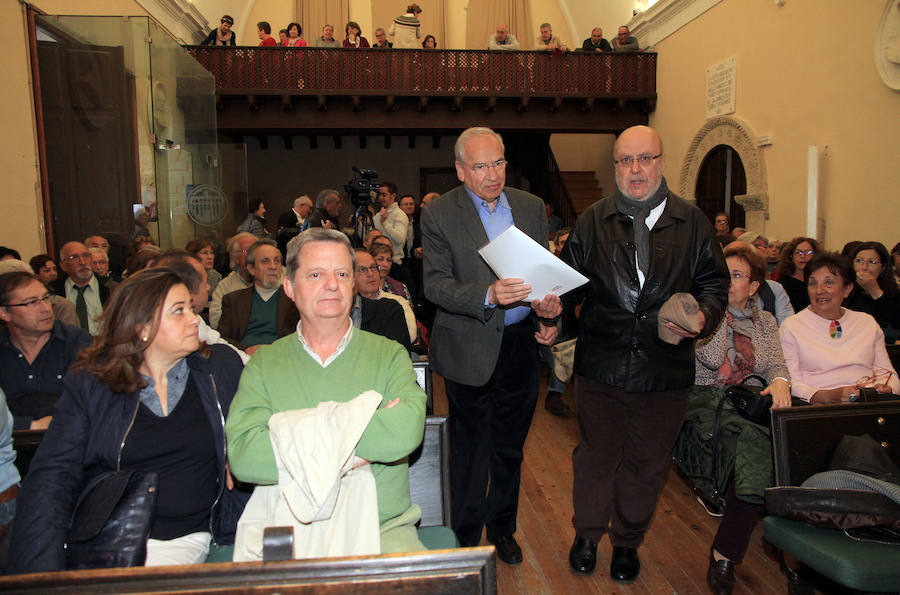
{"x":327,"y":359}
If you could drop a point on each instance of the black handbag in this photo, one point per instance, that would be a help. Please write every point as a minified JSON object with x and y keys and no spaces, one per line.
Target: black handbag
{"x":112,"y":520}
{"x":747,"y":401}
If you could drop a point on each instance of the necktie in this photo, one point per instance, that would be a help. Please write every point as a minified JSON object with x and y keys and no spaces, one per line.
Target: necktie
{"x":81,"y":307}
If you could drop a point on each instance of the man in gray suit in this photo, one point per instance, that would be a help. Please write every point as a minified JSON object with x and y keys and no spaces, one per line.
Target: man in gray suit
{"x":484,"y":339}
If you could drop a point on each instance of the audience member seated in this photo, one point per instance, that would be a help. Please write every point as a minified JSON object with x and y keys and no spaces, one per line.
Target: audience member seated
{"x":771,"y":295}
{"x":368,"y":285}
{"x":721,"y":223}
{"x":745,"y":342}
{"x":238,"y":278}
{"x":261,"y":313}
{"x":406,"y":28}
{"x":148,"y":379}
{"x":326,"y":39}
{"x":371,"y":237}
{"x":100,"y":266}
{"x":429,"y":43}
{"x":282,"y":37}
{"x":264,"y":32}
{"x":330,"y":360}
{"x":895,"y":260}
{"x":625,"y":41}
{"x":255,"y":222}
{"x":596,"y":43}
{"x":381,"y":251}
{"x":141,"y":223}
{"x":222,"y":35}
{"x":9,"y":475}
{"x":554,"y":221}
{"x":296,"y":217}
{"x":328,"y":208}
{"x":6,"y":253}
{"x":791,"y":269}
{"x":502,"y":39}
{"x":832,"y":351}
{"x":205,"y":251}
{"x":80,"y":286}
{"x":42,"y":265}
{"x":141,"y":259}
{"x":35,"y":349}
{"x":381,"y":41}
{"x":293,"y":39}
{"x":193,"y":275}
{"x":353,"y":37}
{"x":549,"y":42}
{"x":875,"y":289}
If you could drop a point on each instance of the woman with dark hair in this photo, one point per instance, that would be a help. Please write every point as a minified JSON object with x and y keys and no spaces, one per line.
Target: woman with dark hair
{"x":382,"y":252}
{"x":255,"y":222}
{"x":353,"y":37}
{"x":44,"y":267}
{"x":895,"y":262}
{"x":789,"y":272}
{"x":294,"y":31}
{"x":205,"y":250}
{"x":874,"y":288}
{"x":830,"y":350}
{"x":145,"y":396}
{"x":745,"y":343}
{"x":429,"y":43}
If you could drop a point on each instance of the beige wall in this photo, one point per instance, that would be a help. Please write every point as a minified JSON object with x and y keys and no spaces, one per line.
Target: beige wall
{"x":278,"y":13}
{"x":795,"y":83}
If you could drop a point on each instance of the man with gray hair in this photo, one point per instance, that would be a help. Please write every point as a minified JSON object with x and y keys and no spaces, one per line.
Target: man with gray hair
{"x":484,"y":338}
{"x":381,"y":41}
{"x":328,"y":207}
{"x":238,"y":278}
{"x":549,"y":42}
{"x":328,"y":359}
{"x":261,"y":313}
{"x":293,"y":221}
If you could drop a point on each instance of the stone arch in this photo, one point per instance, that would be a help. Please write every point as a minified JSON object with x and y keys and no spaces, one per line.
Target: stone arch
{"x":729,"y":131}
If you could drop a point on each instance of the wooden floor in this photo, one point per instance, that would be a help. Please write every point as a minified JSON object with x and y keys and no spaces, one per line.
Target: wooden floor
{"x":674,"y":556}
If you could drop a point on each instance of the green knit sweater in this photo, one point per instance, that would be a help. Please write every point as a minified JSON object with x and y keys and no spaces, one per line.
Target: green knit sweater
{"x":283,"y":377}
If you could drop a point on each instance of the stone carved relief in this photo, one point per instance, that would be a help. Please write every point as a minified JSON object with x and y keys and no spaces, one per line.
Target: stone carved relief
{"x":725,"y":130}
{"x":887,"y":45}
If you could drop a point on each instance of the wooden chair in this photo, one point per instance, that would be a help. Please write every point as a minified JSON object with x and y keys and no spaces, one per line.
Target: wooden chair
{"x":803,"y":442}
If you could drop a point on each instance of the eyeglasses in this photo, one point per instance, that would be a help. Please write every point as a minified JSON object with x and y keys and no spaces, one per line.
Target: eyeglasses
{"x":862,"y":261}
{"x":32,"y":304}
{"x":482,"y":168}
{"x":77,"y":257}
{"x":802,"y":252}
{"x":738,"y":275}
{"x":642,"y":160}
{"x":370,"y":269}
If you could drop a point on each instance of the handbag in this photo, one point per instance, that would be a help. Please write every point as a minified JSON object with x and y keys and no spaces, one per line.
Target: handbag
{"x":747,"y":401}
{"x":112,"y":520}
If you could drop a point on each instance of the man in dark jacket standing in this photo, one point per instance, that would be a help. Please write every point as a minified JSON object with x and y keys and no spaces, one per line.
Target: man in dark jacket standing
{"x":638,"y":248}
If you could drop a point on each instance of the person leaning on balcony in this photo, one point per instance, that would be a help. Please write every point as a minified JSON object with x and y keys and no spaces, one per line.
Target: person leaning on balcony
{"x":405,"y":28}
{"x":503,"y":39}
{"x":294,"y":40}
{"x":326,"y":40}
{"x":549,"y":42}
{"x":596,"y":43}
{"x":222,"y":35}
{"x":354,"y":38}
{"x":625,"y":41}
{"x":264,"y":32}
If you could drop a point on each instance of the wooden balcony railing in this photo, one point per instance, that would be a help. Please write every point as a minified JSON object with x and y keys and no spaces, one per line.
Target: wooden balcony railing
{"x":371,"y":72}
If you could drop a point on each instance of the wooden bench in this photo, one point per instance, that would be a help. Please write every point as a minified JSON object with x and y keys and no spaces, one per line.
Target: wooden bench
{"x":803,"y":441}
{"x":470,"y":570}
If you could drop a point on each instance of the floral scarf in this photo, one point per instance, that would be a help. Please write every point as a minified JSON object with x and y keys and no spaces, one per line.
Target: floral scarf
{"x":740,"y":360}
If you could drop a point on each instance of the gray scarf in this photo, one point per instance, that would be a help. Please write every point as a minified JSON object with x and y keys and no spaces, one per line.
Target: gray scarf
{"x":639,"y":210}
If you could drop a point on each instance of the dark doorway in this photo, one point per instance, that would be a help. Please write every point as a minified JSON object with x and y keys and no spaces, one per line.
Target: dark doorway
{"x":720,"y":179}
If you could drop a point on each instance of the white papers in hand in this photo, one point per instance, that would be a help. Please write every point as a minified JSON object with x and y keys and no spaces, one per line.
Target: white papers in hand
{"x":513,"y":254}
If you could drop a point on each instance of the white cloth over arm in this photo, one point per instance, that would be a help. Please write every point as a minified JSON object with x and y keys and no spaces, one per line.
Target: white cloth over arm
{"x":332,"y":507}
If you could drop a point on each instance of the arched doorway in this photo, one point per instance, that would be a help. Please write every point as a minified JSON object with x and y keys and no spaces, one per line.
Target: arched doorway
{"x":721,"y":177}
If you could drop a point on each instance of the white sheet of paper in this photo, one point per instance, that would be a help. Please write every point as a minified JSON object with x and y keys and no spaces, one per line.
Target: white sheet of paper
{"x":513,"y":254}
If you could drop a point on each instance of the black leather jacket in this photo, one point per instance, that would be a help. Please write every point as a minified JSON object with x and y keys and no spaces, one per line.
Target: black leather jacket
{"x":89,"y":428}
{"x":618,"y":344}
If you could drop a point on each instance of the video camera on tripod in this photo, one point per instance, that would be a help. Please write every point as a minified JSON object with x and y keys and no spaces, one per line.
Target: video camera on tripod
{"x":362,"y":190}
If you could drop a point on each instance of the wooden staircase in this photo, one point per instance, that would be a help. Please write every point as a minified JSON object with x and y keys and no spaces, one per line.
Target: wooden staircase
{"x":582,"y":188}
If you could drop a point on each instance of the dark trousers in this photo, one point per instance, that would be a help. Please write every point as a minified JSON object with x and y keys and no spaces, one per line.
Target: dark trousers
{"x":736,"y":526}
{"x":623,"y":456}
{"x":488,"y":427}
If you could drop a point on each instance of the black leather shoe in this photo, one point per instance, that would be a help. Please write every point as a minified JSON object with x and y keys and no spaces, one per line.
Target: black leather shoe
{"x":583,"y":555}
{"x":507,"y":549}
{"x":720,"y":576}
{"x":625,"y":566}
{"x":555,"y":405}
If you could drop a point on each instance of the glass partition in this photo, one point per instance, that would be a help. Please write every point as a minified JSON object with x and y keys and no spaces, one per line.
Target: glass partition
{"x":130,"y":120}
